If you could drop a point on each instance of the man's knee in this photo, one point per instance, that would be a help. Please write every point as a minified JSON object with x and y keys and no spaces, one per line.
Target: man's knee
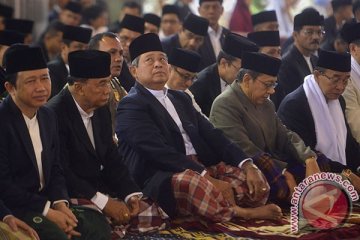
{"x":92,"y":224}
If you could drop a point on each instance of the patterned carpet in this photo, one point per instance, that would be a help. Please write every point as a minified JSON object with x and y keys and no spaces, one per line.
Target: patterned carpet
{"x":256,"y":229}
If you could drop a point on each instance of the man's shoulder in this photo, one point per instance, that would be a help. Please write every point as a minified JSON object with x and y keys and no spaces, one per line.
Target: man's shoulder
{"x":58,"y":103}
{"x":55,"y":62}
{"x":295,"y":98}
{"x":170,"y":39}
{"x":206,"y":73}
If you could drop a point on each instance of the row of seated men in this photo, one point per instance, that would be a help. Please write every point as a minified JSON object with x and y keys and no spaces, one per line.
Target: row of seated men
{"x":64,"y":149}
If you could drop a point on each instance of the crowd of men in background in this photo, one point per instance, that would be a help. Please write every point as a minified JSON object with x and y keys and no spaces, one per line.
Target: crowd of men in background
{"x":167,"y":114}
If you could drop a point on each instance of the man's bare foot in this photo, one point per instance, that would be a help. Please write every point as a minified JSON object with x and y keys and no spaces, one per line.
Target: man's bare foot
{"x":269,"y":211}
{"x":290,"y":180}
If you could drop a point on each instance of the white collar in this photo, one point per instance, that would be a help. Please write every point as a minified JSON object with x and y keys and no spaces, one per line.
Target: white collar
{"x":82,"y":112}
{"x":158,"y":93}
{"x":213,"y":32}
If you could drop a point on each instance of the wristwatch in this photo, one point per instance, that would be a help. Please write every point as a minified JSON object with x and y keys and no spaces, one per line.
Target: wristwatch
{"x":346,"y":173}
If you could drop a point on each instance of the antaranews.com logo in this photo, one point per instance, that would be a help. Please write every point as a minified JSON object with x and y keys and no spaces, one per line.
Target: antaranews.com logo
{"x":323,"y":200}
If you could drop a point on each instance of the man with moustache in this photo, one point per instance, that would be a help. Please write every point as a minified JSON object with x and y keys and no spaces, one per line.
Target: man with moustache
{"x":110,"y":42}
{"x":300,"y":60}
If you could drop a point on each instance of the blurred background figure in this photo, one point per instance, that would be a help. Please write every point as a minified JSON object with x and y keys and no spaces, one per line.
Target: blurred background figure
{"x":240,"y":21}
{"x":130,"y":8}
{"x":96,"y":18}
{"x":152,"y":23}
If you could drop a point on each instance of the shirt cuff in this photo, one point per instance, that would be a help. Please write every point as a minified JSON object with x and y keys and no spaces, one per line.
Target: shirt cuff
{"x":60,"y":201}
{"x":100,"y":200}
{"x":139,"y":194}
{"x":203,"y":173}
{"x":9,"y":215}
{"x":244,"y":161}
{"x":46,"y":208}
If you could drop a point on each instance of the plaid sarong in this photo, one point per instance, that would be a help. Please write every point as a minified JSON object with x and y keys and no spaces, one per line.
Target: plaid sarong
{"x":279,"y":190}
{"x":151,"y":218}
{"x":195,"y":195}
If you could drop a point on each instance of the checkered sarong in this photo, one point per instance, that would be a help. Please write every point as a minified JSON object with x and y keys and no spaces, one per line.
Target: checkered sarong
{"x":195,"y":195}
{"x":279,"y":189}
{"x":151,"y":218}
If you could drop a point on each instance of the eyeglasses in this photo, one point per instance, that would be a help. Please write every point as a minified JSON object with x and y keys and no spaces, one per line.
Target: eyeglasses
{"x":269,"y":85}
{"x":336,"y":80}
{"x":309,"y":33}
{"x":185,"y":76}
{"x":236,"y":67}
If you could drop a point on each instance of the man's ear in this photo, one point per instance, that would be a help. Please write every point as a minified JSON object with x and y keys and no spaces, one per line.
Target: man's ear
{"x":9,"y":87}
{"x":78,"y":88}
{"x":133,"y":71}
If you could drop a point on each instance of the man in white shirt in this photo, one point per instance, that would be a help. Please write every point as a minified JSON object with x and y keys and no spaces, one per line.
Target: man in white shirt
{"x":176,"y":155}
{"x":32,"y":184}
{"x":300,"y":60}
{"x":213,"y":41}
{"x":351,"y":94}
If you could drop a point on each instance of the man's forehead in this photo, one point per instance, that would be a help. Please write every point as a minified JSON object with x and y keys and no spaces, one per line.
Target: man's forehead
{"x":154,"y":53}
{"x":34,"y":72}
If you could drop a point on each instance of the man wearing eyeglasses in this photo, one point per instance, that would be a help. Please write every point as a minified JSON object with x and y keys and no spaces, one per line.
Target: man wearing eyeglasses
{"x":215,"y":78}
{"x":315,"y":111}
{"x":246,"y":116}
{"x":184,"y":66}
{"x":299,"y":61}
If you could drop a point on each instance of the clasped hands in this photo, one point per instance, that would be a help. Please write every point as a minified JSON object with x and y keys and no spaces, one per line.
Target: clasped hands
{"x":121,"y":213}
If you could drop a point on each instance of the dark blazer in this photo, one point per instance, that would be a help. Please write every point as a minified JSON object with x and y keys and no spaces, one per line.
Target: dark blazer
{"x":154,"y":148}
{"x":291,"y":74}
{"x":3,"y":210}
{"x":169,"y":43}
{"x":295,"y":113}
{"x":126,"y":79}
{"x":58,"y":74}
{"x":206,"y":88}
{"x":206,"y":50}
{"x":88,"y":170}
{"x":330,"y":33}
{"x":20,"y":183}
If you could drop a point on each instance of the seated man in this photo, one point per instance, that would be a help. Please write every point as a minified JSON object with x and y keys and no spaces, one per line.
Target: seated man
{"x":268,"y":42}
{"x":184,"y":65}
{"x":191,"y":36}
{"x":351,"y":35}
{"x":315,"y":111}
{"x":14,"y":227}
{"x":32,"y":184}
{"x":86,"y":139}
{"x":74,"y":38}
{"x":246,"y":116}
{"x":175,"y":154}
{"x":215,"y":78}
